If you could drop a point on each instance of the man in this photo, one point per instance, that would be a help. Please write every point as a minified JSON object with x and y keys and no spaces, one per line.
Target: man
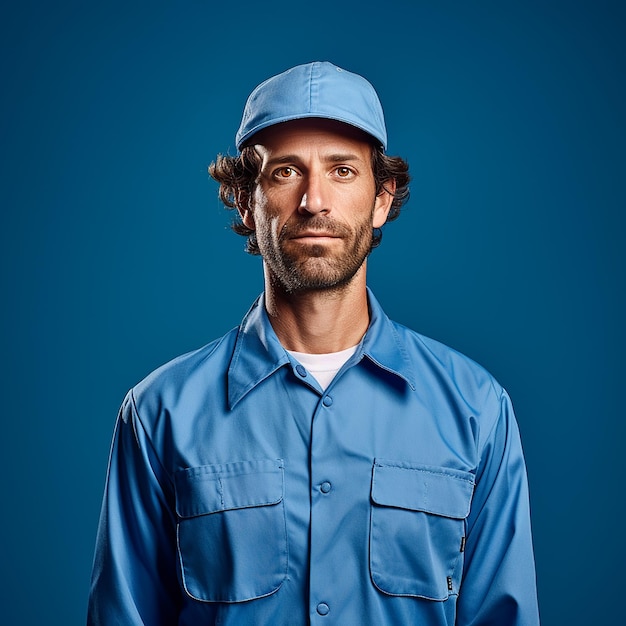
{"x":319,"y":464}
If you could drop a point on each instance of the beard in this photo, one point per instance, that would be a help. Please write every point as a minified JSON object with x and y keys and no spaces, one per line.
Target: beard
{"x":297,"y":267}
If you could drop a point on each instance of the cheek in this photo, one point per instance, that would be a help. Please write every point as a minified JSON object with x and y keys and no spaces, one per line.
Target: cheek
{"x":272,"y":209}
{"x":358,"y":208}
{"x":357,"y":196}
{"x":270,"y":203}
{"x":267,"y":223}
{"x":274,"y":226}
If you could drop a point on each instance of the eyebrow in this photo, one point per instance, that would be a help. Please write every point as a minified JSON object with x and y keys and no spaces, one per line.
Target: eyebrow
{"x":330,"y":158}
{"x":337,"y":158}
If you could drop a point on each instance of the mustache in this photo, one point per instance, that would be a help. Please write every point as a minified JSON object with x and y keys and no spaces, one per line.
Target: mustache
{"x":296,"y":227}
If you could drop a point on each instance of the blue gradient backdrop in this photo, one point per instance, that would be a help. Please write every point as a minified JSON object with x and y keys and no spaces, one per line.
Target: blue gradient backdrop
{"x":116,"y":254}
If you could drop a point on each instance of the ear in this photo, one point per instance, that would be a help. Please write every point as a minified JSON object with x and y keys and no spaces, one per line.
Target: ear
{"x":242,"y":202}
{"x":383,"y":202}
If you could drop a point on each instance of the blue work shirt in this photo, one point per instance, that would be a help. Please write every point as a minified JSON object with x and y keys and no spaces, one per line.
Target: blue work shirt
{"x":238,"y":492}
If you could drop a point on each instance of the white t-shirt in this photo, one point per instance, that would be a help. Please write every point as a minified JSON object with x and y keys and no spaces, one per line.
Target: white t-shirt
{"x":323,"y":367}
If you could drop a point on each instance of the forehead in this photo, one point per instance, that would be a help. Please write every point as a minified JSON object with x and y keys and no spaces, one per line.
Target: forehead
{"x":306,"y":134}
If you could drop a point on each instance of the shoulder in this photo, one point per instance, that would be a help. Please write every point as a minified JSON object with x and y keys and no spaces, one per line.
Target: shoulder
{"x":439,"y":367}
{"x":186,"y":375}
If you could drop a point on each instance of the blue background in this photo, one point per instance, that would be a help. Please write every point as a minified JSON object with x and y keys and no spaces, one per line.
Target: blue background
{"x":117,"y":256}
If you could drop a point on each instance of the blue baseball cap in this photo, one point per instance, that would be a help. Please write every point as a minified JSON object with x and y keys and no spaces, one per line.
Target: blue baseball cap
{"x":318,"y":89}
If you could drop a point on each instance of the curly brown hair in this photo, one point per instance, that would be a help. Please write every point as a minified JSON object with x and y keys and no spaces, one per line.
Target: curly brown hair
{"x":239,"y":175}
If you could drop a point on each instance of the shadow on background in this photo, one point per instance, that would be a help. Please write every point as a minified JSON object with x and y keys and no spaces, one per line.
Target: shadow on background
{"x":116,"y":255}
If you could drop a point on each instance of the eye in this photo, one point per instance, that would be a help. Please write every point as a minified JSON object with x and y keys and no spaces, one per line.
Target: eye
{"x":344,"y":172}
{"x":285,"y":172}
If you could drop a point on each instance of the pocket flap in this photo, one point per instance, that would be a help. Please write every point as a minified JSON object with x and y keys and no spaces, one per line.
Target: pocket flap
{"x":437,"y":490}
{"x":212,"y":488}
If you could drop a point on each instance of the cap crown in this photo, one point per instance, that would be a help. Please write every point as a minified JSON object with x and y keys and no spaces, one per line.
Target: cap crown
{"x":318,"y":89}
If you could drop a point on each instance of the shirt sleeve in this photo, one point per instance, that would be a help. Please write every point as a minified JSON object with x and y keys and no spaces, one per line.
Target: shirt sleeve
{"x":134,"y":578}
{"x":499,"y":586}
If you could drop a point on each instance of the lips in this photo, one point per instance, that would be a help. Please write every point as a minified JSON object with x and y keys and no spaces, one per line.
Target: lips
{"x":312,"y":231}
{"x":314,"y":235}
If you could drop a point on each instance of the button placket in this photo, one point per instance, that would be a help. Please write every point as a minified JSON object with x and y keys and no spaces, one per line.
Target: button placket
{"x":323,"y":506}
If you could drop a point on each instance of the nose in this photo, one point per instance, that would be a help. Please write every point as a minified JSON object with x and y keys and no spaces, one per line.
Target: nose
{"x":315,"y":198}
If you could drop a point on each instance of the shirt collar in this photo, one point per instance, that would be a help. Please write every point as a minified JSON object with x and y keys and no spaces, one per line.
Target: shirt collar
{"x":258,"y":353}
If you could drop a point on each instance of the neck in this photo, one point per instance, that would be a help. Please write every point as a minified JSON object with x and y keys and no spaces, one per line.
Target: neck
{"x":319,"y":321}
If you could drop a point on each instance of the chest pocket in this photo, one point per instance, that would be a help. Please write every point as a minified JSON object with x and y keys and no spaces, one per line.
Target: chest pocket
{"x":232,"y":536}
{"x":417,"y":528}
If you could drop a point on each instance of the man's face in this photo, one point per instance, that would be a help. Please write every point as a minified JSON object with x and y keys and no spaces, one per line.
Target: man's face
{"x":315,"y":204}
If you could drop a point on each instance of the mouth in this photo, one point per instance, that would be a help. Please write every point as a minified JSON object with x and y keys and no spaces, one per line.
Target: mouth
{"x":313,"y":236}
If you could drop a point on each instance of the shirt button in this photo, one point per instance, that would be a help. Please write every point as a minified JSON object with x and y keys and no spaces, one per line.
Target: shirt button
{"x":325,"y":487}
{"x":301,"y":370}
{"x":327,"y":401}
{"x":323,"y":608}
